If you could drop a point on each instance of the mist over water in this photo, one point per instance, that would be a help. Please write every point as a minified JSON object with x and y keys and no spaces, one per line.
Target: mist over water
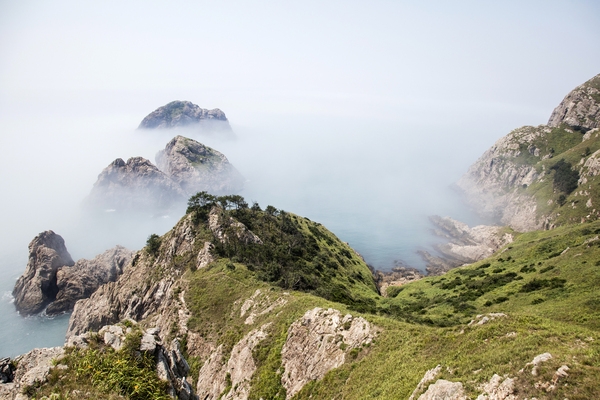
{"x":373,"y":185}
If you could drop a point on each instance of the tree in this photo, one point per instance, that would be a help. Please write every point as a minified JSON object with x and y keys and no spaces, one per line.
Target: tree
{"x":565,"y":178}
{"x":153,"y":244}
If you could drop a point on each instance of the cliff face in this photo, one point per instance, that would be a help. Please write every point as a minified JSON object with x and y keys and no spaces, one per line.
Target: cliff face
{"x":513,"y":182}
{"x":185,"y":114}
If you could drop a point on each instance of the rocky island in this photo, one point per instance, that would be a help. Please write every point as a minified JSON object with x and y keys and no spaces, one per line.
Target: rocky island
{"x":185,"y":167}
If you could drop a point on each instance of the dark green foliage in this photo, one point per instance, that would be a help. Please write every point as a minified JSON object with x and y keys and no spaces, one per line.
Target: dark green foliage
{"x":539,"y":284}
{"x":392,"y":291}
{"x":294,"y":253}
{"x":528,"y":269}
{"x":546,"y":269}
{"x":153,"y":244}
{"x":565,"y":178}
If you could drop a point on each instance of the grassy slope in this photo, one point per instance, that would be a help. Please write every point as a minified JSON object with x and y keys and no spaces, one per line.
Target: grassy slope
{"x":426,"y":323}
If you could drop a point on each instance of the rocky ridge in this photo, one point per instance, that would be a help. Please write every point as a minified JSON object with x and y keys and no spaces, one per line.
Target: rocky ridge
{"x":53,"y":282}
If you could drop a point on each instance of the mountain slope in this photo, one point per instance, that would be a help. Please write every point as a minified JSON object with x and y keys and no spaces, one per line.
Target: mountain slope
{"x":521,"y":182}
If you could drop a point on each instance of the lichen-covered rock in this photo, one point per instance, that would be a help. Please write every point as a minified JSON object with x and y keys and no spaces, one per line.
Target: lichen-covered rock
{"x":317,"y":343}
{"x":196,"y":167}
{"x":444,"y":390}
{"x":185,"y":114}
{"x":226,"y":227}
{"x":37,"y":287}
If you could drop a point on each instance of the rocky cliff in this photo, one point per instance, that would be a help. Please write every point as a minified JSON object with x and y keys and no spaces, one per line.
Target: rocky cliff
{"x":53,"y":282}
{"x":514,"y":183}
{"x":179,"y":114}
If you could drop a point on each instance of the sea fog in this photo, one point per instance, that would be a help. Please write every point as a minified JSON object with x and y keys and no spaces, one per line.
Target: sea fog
{"x":372,"y":182}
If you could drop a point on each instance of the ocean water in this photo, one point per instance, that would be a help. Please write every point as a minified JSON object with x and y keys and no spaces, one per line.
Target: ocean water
{"x":374,"y":187}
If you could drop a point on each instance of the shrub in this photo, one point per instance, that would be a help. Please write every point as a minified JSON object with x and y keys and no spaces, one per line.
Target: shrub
{"x":565,"y":178}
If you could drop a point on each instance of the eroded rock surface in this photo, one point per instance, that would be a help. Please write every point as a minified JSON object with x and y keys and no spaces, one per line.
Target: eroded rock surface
{"x":580,"y":108}
{"x":317,"y":343}
{"x":196,"y":167}
{"x":37,"y":287}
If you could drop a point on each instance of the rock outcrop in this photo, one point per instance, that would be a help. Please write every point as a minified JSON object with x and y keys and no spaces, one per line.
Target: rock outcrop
{"x":37,"y":287}
{"x":52,"y":281}
{"x":238,"y":368}
{"x":317,"y":343}
{"x":178,"y":114}
{"x":465,"y":245}
{"x":580,"y":109}
{"x":32,"y":368}
{"x":134,"y":185}
{"x":196,"y":167}
{"x":86,"y":276}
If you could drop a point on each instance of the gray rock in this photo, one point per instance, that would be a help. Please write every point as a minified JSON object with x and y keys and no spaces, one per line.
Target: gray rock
{"x":86,"y":276}
{"x":185,"y":114}
{"x":580,"y":109}
{"x":135,"y":185}
{"x":196,"y":167}
{"x":444,"y":390}
{"x":37,"y":287}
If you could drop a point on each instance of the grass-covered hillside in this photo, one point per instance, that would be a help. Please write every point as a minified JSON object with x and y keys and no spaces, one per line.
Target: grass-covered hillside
{"x":540,"y":295}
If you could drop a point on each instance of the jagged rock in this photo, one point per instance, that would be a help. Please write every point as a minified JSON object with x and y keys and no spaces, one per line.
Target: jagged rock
{"x":134,"y":185}
{"x":7,"y":370}
{"x":185,"y":114}
{"x":196,"y":167}
{"x":32,"y":368}
{"x":428,"y":377}
{"x":580,"y":109}
{"x":133,"y":297}
{"x":498,"y":389}
{"x":444,"y":390}
{"x":37,"y":287}
{"x":240,"y":367}
{"x":317,"y":343}
{"x":86,"y":276}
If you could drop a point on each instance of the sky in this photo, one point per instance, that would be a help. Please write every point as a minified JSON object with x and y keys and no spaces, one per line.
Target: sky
{"x":394,"y":94}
